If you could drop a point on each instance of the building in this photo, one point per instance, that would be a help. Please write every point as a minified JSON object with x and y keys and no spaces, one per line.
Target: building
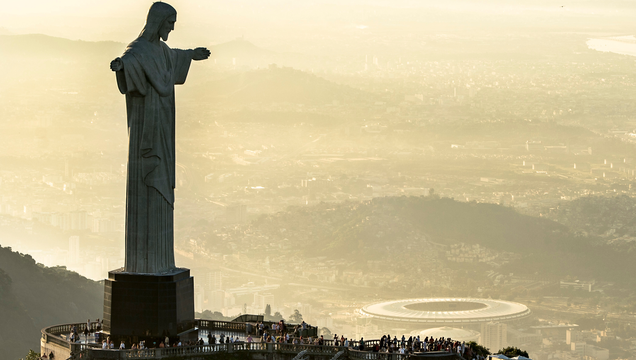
{"x":494,"y":336}
{"x":236,"y":214}
{"x":73,"y":250}
{"x":577,"y":285}
{"x":573,"y":336}
{"x":213,"y":281}
{"x":261,"y":301}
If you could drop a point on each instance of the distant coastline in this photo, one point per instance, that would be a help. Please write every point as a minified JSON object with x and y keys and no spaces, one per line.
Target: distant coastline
{"x":624,"y":45}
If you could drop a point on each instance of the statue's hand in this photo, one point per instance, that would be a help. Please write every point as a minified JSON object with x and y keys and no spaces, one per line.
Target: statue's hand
{"x":117,"y":65}
{"x":200,"y":53}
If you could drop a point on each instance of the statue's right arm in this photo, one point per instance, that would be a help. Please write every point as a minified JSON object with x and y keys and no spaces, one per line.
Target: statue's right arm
{"x":118,"y":67}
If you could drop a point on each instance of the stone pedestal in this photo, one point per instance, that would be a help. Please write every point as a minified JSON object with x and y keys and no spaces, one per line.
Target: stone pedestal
{"x":146,"y":306}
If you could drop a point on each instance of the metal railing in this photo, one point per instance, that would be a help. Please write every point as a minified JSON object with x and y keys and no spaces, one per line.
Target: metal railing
{"x":57,"y":335}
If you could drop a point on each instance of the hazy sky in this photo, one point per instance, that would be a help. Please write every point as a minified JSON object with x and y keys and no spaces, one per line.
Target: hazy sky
{"x":216,"y":21}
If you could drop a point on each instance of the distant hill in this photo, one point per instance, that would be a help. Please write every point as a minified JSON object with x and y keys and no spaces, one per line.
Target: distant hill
{"x":279,"y":85}
{"x":38,"y":46}
{"x":393,"y":228}
{"x":282,"y":118}
{"x":610,"y":217}
{"x":44,"y":46}
{"x":33,"y":296}
{"x":238,"y":48}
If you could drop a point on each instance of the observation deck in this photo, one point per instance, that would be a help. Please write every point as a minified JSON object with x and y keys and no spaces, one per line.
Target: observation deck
{"x":54,"y":339}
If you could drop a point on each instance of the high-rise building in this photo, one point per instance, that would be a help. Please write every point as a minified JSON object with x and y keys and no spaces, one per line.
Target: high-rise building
{"x":494,"y":336}
{"x":213,"y":281}
{"x":216,"y":300}
{"x":73,"y":250}
{"x":261,"y":301}
{"x":198,"y":298}
{"x":573,"y":335}
{"x":236,"y":214}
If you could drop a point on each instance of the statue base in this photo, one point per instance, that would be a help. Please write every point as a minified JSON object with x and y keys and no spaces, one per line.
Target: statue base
{"x":148,"y":306}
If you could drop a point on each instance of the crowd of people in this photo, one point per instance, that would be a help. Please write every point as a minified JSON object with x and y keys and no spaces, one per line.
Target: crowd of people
{"x":414,"y":344}
{"x":91,"y":327}
{"x":281,"y":333}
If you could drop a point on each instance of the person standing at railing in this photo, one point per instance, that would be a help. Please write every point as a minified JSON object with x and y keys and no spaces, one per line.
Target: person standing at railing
{"x":87,"y":332}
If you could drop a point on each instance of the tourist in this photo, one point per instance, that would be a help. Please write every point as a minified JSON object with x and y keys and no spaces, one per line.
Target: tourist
{"x":86,"y":331}
{"x":104,"y":345}
{"x":122,"y":346}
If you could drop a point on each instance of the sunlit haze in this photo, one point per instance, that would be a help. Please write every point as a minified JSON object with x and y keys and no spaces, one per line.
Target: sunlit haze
{"x":336,"y":159}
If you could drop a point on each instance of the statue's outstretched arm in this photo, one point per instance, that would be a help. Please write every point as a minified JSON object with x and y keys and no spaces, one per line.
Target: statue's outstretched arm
{"x":200,"y":53}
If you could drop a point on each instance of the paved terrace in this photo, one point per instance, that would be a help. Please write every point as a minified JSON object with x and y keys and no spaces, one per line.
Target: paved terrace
{"x":54,"y":339}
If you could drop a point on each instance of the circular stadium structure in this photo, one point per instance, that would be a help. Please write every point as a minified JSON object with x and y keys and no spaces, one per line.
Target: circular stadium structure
{"x":432,"y":312}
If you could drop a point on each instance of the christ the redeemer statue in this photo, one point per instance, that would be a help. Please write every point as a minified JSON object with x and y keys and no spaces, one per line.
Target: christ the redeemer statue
{"x":147,"y":73}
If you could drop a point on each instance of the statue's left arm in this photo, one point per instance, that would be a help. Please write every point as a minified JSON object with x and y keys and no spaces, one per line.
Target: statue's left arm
{"x":182,"y":60}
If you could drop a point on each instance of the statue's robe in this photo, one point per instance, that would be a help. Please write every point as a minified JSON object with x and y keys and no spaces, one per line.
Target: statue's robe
{"x":147,"y":79}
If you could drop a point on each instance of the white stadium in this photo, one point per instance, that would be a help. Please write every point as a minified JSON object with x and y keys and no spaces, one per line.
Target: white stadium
{"x":433,"y":312}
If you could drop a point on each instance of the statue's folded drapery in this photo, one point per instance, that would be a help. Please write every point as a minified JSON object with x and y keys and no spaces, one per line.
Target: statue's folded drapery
{"x":148,"y":77}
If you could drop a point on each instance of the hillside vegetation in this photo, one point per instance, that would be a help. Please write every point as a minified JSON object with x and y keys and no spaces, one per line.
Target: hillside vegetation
{"x":33,"y":296}
{"x":391,"y":228}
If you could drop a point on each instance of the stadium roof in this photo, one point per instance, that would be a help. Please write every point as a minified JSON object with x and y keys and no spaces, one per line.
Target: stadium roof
{"x":446,"y":310}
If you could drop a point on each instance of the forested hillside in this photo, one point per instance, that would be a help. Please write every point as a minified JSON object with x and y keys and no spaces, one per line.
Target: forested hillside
{"x":393,"y":228}
{"x":33,"y":296}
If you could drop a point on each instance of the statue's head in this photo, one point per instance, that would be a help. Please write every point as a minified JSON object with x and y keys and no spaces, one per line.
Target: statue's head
{"x":160,"y":21}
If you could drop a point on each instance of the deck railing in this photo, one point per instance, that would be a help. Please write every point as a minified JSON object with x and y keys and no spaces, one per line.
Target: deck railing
{"x":58,"y":335}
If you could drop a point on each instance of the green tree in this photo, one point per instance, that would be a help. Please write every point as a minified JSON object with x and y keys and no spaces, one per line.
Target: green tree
{"x":277,"y":316}
{"x":209,"y":315}
{"x":478,"y":349}
{"x":325,"y":332}
{"x":32,"y":355}
{"x":296,"y":317}
{"x":512,"y":351}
